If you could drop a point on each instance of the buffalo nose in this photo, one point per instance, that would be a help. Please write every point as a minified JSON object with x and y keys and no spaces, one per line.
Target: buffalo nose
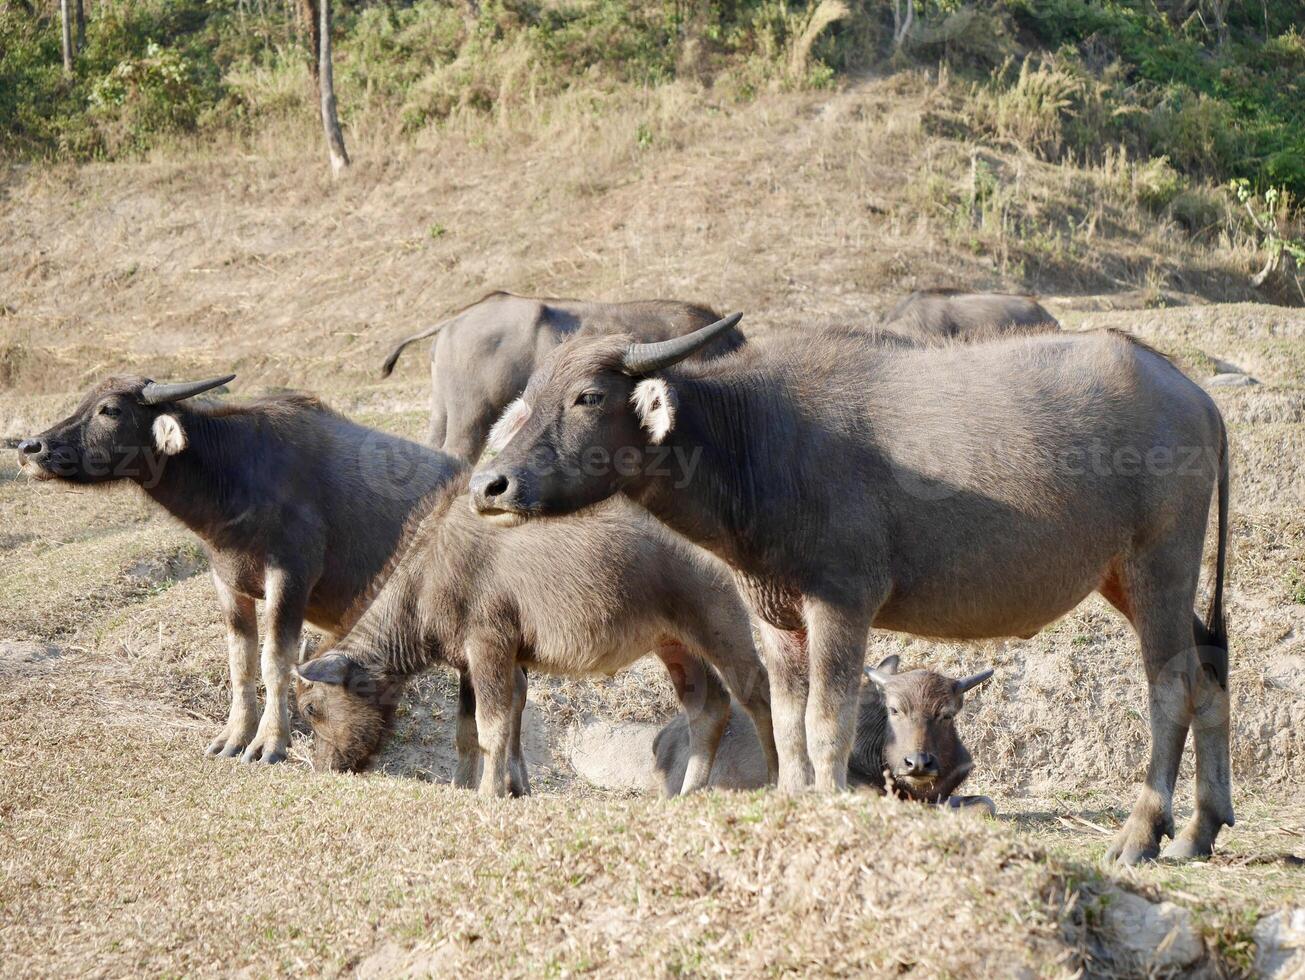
{"x":30,"y":447}
{"x":489,"y":489}
{"x":920,"y":764}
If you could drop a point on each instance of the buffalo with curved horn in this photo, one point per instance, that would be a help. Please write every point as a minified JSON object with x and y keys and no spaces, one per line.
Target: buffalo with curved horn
{"x":954,"y":491}
{"x":294,"y":504}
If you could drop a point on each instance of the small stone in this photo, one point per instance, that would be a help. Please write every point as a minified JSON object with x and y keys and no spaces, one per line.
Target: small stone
{"x":1230,"y":379}
{"x":1155,"y":938}
{"x":1280,"y":945}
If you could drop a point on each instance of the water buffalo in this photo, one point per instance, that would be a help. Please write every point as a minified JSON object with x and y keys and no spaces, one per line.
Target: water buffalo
{"x":576,"y":596}
{"x":484,"y":354}
{"x":906,"y":741}
{"x":953,"y":491}
{"x":294,"y":503}
{"x":933,"y":315}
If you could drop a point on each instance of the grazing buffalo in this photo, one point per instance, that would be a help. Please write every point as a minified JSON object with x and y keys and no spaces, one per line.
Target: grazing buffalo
{"x":933,"y":315}
{"x":294,"y":503}
{"x":580,"y":596}
{"x":483,"y":355}
{"x":906,"y":741}
{"x":953,"y":491}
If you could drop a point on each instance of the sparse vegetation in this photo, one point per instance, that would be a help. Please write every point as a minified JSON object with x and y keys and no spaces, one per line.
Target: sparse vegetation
{"x":179,"y":223}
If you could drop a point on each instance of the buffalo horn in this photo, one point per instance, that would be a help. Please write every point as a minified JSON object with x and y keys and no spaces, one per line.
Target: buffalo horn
{"x":974,"y":680}
{"x":647,"y":358}
{"x":156,"y":394}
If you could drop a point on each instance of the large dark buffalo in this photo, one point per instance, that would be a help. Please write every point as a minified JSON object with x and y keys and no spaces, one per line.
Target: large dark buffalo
{"x":483,"y":355}
{"x":295,"y":504}
{"x":956,"y":491}
{"x":934,"y":315}
{"x":579,"y":596}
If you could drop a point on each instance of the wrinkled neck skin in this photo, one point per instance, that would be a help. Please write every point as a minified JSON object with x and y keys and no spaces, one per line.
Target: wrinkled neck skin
{"x":714,"y":503}
{"x":207,"y":490}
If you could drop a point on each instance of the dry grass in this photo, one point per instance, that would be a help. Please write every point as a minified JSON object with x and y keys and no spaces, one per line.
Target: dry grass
{"x":122,"y":851}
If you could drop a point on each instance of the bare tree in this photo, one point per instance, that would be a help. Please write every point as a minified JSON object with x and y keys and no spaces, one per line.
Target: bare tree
{"x":316,"y":16}
{"x":326,"y":81}
{"x":903,"y":20}
{"x":65,"y":17}
{"x":81,"y":25}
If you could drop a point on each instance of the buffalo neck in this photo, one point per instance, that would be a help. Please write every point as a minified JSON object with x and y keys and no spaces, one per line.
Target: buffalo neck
{"x":415,"y":619}
{"x":208,"y":486}
{"x":709,"y":482}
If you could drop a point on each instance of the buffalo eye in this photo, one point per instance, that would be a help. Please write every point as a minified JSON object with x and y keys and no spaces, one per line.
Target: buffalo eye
{"x":110,"y":411}
{"x":894,"y":712}
{"x":310,"y":710}
{"x":590,"y":399}
{"x":947,"y":716}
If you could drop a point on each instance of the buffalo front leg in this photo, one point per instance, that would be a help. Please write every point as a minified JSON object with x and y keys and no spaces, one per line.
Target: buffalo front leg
{"x":785,"y":653}
{"x":286,"y":597}
{"x":241,"y":621}
{"x":836,"y":650}
{"x":706,"y":708}
{"x":467,"y":772}
{"x":493,"y":674}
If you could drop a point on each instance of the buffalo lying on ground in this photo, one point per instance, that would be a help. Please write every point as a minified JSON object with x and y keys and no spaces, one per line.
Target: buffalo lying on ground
{"x":483,"y":355}
{"x":576,"y":597}
{"x":906,"y":741}
{"x":294,"y":503}
{"x":955,"y":491}
{"x":933,"y":315}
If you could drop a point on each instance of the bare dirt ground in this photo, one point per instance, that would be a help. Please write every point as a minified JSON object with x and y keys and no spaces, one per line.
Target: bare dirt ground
{"x":123,"y":851}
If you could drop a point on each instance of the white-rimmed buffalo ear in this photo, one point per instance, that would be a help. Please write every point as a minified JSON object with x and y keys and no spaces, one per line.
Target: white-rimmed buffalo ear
{"x":508,"y":425}
{"x":169,"y":436}
{"x":886,"y":669}
{"x":654,"y":403}
{"x":973,"y":681}
{"x":331,"y":668}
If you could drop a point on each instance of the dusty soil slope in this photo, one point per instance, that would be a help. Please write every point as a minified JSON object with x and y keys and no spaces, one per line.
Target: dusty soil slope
{"x":122,"y":850}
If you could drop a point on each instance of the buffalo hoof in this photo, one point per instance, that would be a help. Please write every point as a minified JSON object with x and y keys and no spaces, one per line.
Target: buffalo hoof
{"x":1187,"y":849}
{"x":268,"y":753}
{"x":225,"y":747}
{"x":1129,"y":852}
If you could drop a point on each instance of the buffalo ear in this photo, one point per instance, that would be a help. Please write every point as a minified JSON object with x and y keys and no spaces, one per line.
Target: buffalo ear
{"x":169,"y":436}
{"x":508,"y":425}
{"x":973,"y":681}
{"x":655,"y":404}
{"x":333,"y":668}
{"x":886,"y":669}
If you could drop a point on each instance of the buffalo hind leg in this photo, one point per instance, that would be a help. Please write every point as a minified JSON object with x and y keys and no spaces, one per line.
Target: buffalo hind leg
{"x":467,"y":771}
{"x":706,"y":707}
{"x":518,"y":777}
{"x":241,"y":620}
{"x":836,"y":649}
{"x":1210,"y":735}
{"x":1159,"y":588}
{"x":785,"y":654}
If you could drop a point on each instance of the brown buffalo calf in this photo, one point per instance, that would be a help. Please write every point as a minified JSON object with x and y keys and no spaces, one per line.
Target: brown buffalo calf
{"x":906,"y":740}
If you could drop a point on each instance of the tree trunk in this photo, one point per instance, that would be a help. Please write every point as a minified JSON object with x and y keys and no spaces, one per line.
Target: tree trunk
{"x":308,"y":13}
{"x":65,"y":18}
{"x":326,"y":81}
{"x":81,"y":25}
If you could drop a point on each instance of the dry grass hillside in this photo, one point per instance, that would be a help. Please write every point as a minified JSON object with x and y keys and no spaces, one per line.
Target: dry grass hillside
{"x":123,"y":851}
